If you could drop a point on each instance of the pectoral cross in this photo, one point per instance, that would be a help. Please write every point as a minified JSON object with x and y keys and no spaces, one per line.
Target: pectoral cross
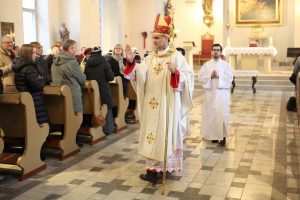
{"x":158,"y":68}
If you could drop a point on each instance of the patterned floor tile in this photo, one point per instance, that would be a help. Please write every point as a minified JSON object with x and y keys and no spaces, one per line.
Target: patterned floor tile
{"x":260,"y":161}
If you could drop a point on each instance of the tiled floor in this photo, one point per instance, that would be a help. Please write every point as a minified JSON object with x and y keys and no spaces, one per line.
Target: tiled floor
{"x":259,"y":162}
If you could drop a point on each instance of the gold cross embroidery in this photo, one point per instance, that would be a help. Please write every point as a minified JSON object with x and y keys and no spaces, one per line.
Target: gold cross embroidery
{"x":150,"y":137}
{"x":153,"y":103}
{"x":158,"y":68}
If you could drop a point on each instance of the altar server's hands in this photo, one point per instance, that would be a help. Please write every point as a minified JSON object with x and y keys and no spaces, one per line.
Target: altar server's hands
{"x":214,"y":74}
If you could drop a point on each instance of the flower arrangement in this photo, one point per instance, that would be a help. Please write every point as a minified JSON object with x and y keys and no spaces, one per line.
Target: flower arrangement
{"x":253,"y":43}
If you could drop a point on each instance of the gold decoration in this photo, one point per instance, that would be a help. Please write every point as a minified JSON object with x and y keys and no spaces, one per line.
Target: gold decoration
{"x":153,"y":103}
{"x":158,"y":68}
{"x":150,"y":137}
{"x":166,"y":54}
{"x":207,"y":6}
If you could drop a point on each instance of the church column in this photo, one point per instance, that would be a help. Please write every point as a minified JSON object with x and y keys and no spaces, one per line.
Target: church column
{"x":296,"y":24}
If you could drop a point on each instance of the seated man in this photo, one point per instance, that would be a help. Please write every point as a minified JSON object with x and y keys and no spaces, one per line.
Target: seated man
{"x":65,"y":70}
{"x":6,"y":57}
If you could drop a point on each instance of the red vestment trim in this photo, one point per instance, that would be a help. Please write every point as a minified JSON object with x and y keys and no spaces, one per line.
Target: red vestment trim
{"x":129,"y":67}
{"x":175,"y":79}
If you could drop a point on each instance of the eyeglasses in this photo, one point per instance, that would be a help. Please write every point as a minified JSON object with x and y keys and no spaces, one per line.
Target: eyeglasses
{"x":216,"y":49}
{"x":8,"y":42}
{"x":156,"y":38}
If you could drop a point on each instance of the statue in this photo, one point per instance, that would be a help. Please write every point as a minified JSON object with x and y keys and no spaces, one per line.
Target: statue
{"x":64,"y":32}
{"x":169,"y":9}
{"x":207,"y":7}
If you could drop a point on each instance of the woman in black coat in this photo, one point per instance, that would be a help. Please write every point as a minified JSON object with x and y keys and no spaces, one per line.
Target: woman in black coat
{"x":117,"y":63}
{"x":98,"y":69}
{"x":27,"y":79}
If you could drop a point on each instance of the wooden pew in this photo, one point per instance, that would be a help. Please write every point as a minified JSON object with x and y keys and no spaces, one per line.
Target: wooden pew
{"x":119,"y":101}
{"x":59,"y":103}
{"x":18,"y":121}
{"x":132,"y":96}
{"x":88,"y":108}
{"x":297,"y":95}
{"x":1,"y":145}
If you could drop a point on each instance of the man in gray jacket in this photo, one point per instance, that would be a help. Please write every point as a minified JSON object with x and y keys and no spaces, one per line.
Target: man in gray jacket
{"x":65,"y":70}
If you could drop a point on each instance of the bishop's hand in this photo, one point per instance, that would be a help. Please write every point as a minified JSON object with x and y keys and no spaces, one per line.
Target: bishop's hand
{"x":171,"y":67}
{"x":129,"y":54}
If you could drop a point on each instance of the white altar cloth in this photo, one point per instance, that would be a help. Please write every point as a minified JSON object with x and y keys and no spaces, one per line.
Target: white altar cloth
{"x":250,"y":51}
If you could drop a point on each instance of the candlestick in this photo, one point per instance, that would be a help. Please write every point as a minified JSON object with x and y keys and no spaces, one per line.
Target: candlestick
{"x":228,"y":41}
{"x":271,"y":41}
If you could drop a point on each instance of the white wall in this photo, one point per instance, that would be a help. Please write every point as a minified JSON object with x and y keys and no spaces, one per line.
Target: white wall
{"x":283,"y":35}
{"x":296,"y":24}
{"x":189,"y":22}
{"x":89,"y":23}
{"x":112,"y":32}
{"x":70,"y":14}
{"x":54,"y":10}
{"x":139,"y":16}
{"x":11,"y":11}
{"x":43,"y":24}
{"x":124,"y":20}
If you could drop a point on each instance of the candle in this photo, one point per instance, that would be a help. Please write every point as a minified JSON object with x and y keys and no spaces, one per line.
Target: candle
{"x":270,"y":41}
{"x":228,"y":41}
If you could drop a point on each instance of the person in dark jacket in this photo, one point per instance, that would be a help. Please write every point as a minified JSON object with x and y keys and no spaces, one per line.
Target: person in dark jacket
{"x":98,"y":69}
{"x":27,"y":79}
{"x":42,"y":63}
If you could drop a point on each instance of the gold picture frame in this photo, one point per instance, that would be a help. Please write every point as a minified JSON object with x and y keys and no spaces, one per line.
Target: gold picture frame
{"x":7,"y":28}
{"x":260,"y":12}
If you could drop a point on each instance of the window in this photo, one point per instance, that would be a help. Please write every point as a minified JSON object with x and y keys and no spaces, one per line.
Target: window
{"x":29,"y":21}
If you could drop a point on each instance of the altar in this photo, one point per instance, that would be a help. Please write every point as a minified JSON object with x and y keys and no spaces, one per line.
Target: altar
{"x":250,"y":57}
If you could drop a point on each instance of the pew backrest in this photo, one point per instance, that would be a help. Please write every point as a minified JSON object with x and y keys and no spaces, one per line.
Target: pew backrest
{"x":91,"y":103}
{"x":119,"y":101}
{"x":18,"y":120}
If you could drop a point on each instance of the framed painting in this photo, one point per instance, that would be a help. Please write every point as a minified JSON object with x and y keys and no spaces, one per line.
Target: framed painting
{"x":7,"y":28}
{"x":258,"y":12}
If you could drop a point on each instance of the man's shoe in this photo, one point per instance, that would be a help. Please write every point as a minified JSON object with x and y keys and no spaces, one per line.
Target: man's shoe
{"x":214,"y":141}
{"x":222,"y":142}
{"x":150,"y":177}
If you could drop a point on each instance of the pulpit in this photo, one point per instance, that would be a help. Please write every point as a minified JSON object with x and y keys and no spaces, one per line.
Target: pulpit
{"x":188,"y":46}
{"x":207,"y":40}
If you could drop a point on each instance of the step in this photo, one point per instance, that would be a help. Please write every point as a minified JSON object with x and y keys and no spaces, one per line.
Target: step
{"x":260,"y":88}
{"x":264,"y":82}
{"x":265,"y":88}
{"x":265,"y":77}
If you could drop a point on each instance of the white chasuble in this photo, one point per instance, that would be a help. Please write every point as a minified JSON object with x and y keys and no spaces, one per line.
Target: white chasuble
{"x":160,"y":106}
{"x":216,"y":99}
